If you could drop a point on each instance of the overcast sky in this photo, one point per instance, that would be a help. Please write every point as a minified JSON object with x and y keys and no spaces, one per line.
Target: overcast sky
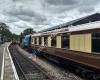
{"x":41,"y":14}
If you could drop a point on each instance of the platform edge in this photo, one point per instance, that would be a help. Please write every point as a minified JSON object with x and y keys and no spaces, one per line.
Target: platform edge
{"x":13,"y":66}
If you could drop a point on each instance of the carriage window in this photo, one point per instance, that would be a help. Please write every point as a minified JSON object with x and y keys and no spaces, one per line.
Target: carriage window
{"x":65,"y":41}
{"x":53,"y":41}
{"x":35,"y":40}
{"x":40,"y":40}
{"x":45,"y":40}
{"x":96,"y":42}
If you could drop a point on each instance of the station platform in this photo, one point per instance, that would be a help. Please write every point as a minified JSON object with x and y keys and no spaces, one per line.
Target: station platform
{"x":7,"y":68}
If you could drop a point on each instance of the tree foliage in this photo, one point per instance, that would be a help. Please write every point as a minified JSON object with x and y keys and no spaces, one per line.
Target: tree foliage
{"x":27,"y":31}
{"x":6,"y":33}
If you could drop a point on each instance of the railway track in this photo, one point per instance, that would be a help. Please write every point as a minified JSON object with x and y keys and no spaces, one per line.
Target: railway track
{"x":26,"y":69}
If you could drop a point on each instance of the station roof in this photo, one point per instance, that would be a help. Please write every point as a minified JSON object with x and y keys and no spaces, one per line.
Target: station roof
{"x":83,"y":20}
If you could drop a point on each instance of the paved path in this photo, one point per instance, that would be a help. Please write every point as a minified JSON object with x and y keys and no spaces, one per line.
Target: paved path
{"x":1,"y":57}
{"x":7,"y":68}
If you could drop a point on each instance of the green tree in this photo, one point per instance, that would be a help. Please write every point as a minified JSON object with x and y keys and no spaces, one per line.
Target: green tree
{"x":27,"y":31}
{"x":6,"y":33}
{"x":3,"y":26}
{"x":15,"y":36}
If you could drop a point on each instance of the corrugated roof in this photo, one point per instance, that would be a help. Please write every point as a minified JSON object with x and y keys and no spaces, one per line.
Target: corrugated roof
{"x":83,"y":20}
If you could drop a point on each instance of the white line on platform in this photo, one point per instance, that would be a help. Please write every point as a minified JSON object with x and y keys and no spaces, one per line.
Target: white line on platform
{"x":2,"y":71}
{"x":13,"y":66}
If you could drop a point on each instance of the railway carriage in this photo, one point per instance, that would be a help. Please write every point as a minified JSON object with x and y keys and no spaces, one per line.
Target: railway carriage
{"x":77,"y":42}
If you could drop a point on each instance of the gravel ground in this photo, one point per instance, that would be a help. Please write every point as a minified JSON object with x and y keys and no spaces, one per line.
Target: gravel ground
{"x":56,"y":72}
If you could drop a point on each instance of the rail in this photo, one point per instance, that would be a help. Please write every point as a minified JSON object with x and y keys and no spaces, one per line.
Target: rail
{"x":28,"y":68}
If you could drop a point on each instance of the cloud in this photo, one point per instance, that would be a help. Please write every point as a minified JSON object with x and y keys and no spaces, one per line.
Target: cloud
{"x":83,"y":6}
{"x":40,"y":14}
{"x":26,"y":13}
{"x":62,"y":2}
{"x":88,"y":6}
